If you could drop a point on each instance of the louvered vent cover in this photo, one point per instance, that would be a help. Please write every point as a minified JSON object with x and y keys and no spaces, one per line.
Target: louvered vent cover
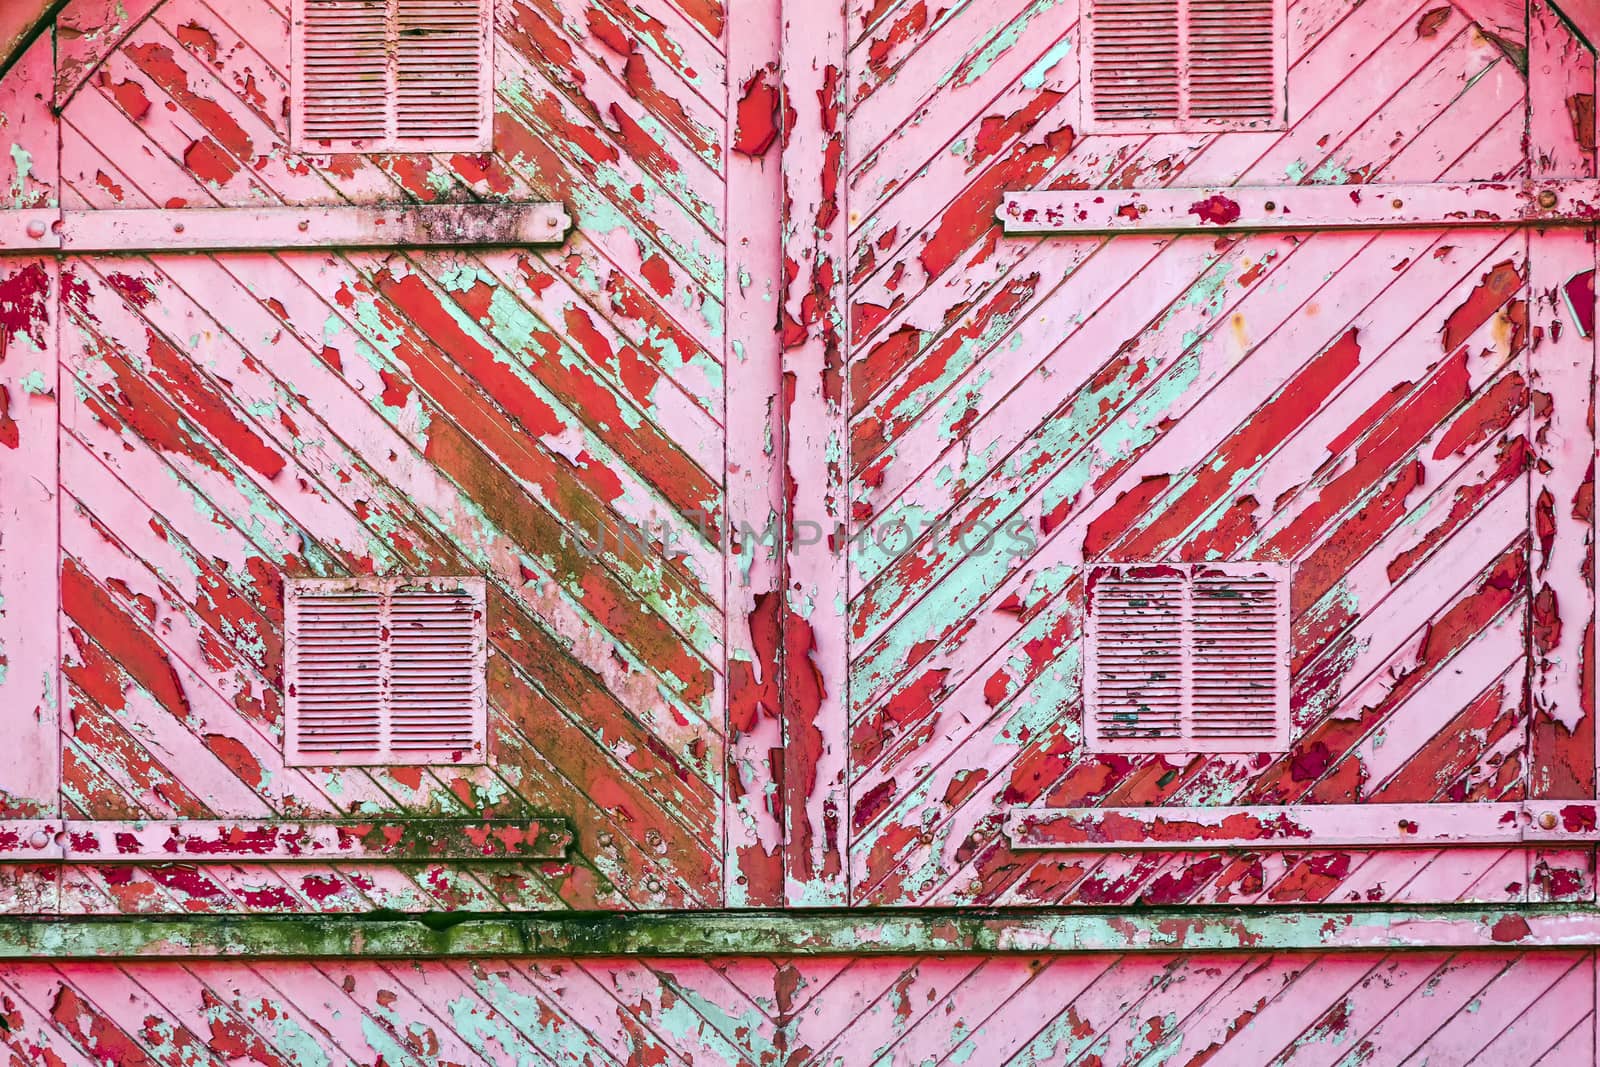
{"x":391,"y":76}
{"x":1161,"y":65}
{"x":385,"y":672}
{"x":1188,"y":658}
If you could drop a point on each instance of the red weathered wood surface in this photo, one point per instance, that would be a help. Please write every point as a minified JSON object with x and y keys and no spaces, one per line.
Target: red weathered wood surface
{"x":1259,"y":1008}
{"x":756,"y":822}
{"x":29,"y":400}
{"x":552,"y":418}
{"x":1356,"y":403}
{"x":788,"y":303}
{"x":815,"y":342}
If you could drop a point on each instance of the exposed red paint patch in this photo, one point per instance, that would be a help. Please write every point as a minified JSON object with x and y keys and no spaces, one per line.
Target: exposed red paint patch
{"x":123,"y":638}
{"x":608,"y":33}
{"x":134,"y":290}
{"x":757,"y":117}
{"x":972,"y":216}
{"x":1216,"y":209}
{"x":1106,"y":528}
{"x":658,"y":273}
{"x":129,"y":96}
{"x":1579,"y":291}
{"x":99,"y":1035}
{"x":238,"y":758}
{"x":163,"y":68}
{"x":396,"y":390}
{"x":23,"y":306}
{"x":196,"y":38}
{"x":178,"y":374}
{"x":998,"y":130}
{"x":1430,"y":21}
{"x":206,"y":160}
{"x":1509,"y":928}
{"x":1496,"y":287}
{"x":888,"y":41}
{"x":10,"y":436}
{"x":1580,"y":108}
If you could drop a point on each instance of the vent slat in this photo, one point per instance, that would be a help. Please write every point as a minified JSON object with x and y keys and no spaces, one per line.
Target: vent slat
{"x":392,"y":75}
{"x":1184,"y":64}
{"x":1196,"y":659}
{"x":385,"y":672}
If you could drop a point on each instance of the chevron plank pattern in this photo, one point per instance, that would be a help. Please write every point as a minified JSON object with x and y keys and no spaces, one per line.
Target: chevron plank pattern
{"x":231,"y":420}
{"x":1535,"y":1008}
{"x":1355,"y":404}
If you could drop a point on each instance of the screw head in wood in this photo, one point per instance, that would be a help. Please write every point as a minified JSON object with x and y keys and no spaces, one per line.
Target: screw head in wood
{"x":36,"y":229}
{"x":1547,"y":200}
{"x":38,"y":839}
{"x":1548,"y":820}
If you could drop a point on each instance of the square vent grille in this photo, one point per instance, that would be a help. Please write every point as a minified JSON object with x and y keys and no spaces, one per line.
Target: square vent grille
{"x":391,"y":76}
{"x":1187,"y":658}
{"x":1177,"y":65}
{"x":385,"y":671}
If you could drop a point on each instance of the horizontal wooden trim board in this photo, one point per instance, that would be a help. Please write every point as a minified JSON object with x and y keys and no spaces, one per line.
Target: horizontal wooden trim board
{"x":1304,"y":826}
{"x":1044,"y":829}
{"x":727,"y":933}
{"x":1300,"y":207}
{"x":194,"y":841}
{"x":273,"y":229}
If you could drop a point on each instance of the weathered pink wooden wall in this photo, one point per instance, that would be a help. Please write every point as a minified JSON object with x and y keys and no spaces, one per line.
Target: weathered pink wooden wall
{"x":863,"y":723}
{"x":230,"y":420}
{"x":1368,"y":1008}
{"x":789,"y":297}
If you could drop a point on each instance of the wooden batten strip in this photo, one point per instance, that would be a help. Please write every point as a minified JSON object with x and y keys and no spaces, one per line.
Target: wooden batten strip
{"x":1303,"y":207}
{"x":1310,"y":826}
{"x":271,"y":229}
{"x":807,"y":933}
{"x":227,"y":841}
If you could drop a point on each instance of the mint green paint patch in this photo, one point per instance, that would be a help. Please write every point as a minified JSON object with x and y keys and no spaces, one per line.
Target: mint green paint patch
{"x":1046,"y":704}
{"x":689,"y":1016}
{"x":601,"y":214}
{"x":677,"y":181}
{"x":440,"y":182}
{"x":22,"y":165}
{"x":962,"y":583}
{"x":1034,"y":78}
{"x":1047,"y":583}
{"x":533,"y":1016}
{"x":710,"y":312}
{"x":33,"y":383}
{"x":1055,"y":1043}
{"x":495,"y":1040}
{"x":1331,"y":172}
{"x":978,"y":63}
{"x":383,"y":1042}
{"x":284,"y":1034}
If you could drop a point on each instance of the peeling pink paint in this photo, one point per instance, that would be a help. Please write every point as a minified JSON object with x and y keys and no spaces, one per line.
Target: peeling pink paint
{"x":787,"y":372}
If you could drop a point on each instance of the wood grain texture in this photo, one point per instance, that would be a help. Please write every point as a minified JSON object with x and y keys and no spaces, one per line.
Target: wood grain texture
{"x":1488,"y":1007}
{"x":1354,"y":404}
{"x":551,"y":418}
{"x":786,"y":464}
